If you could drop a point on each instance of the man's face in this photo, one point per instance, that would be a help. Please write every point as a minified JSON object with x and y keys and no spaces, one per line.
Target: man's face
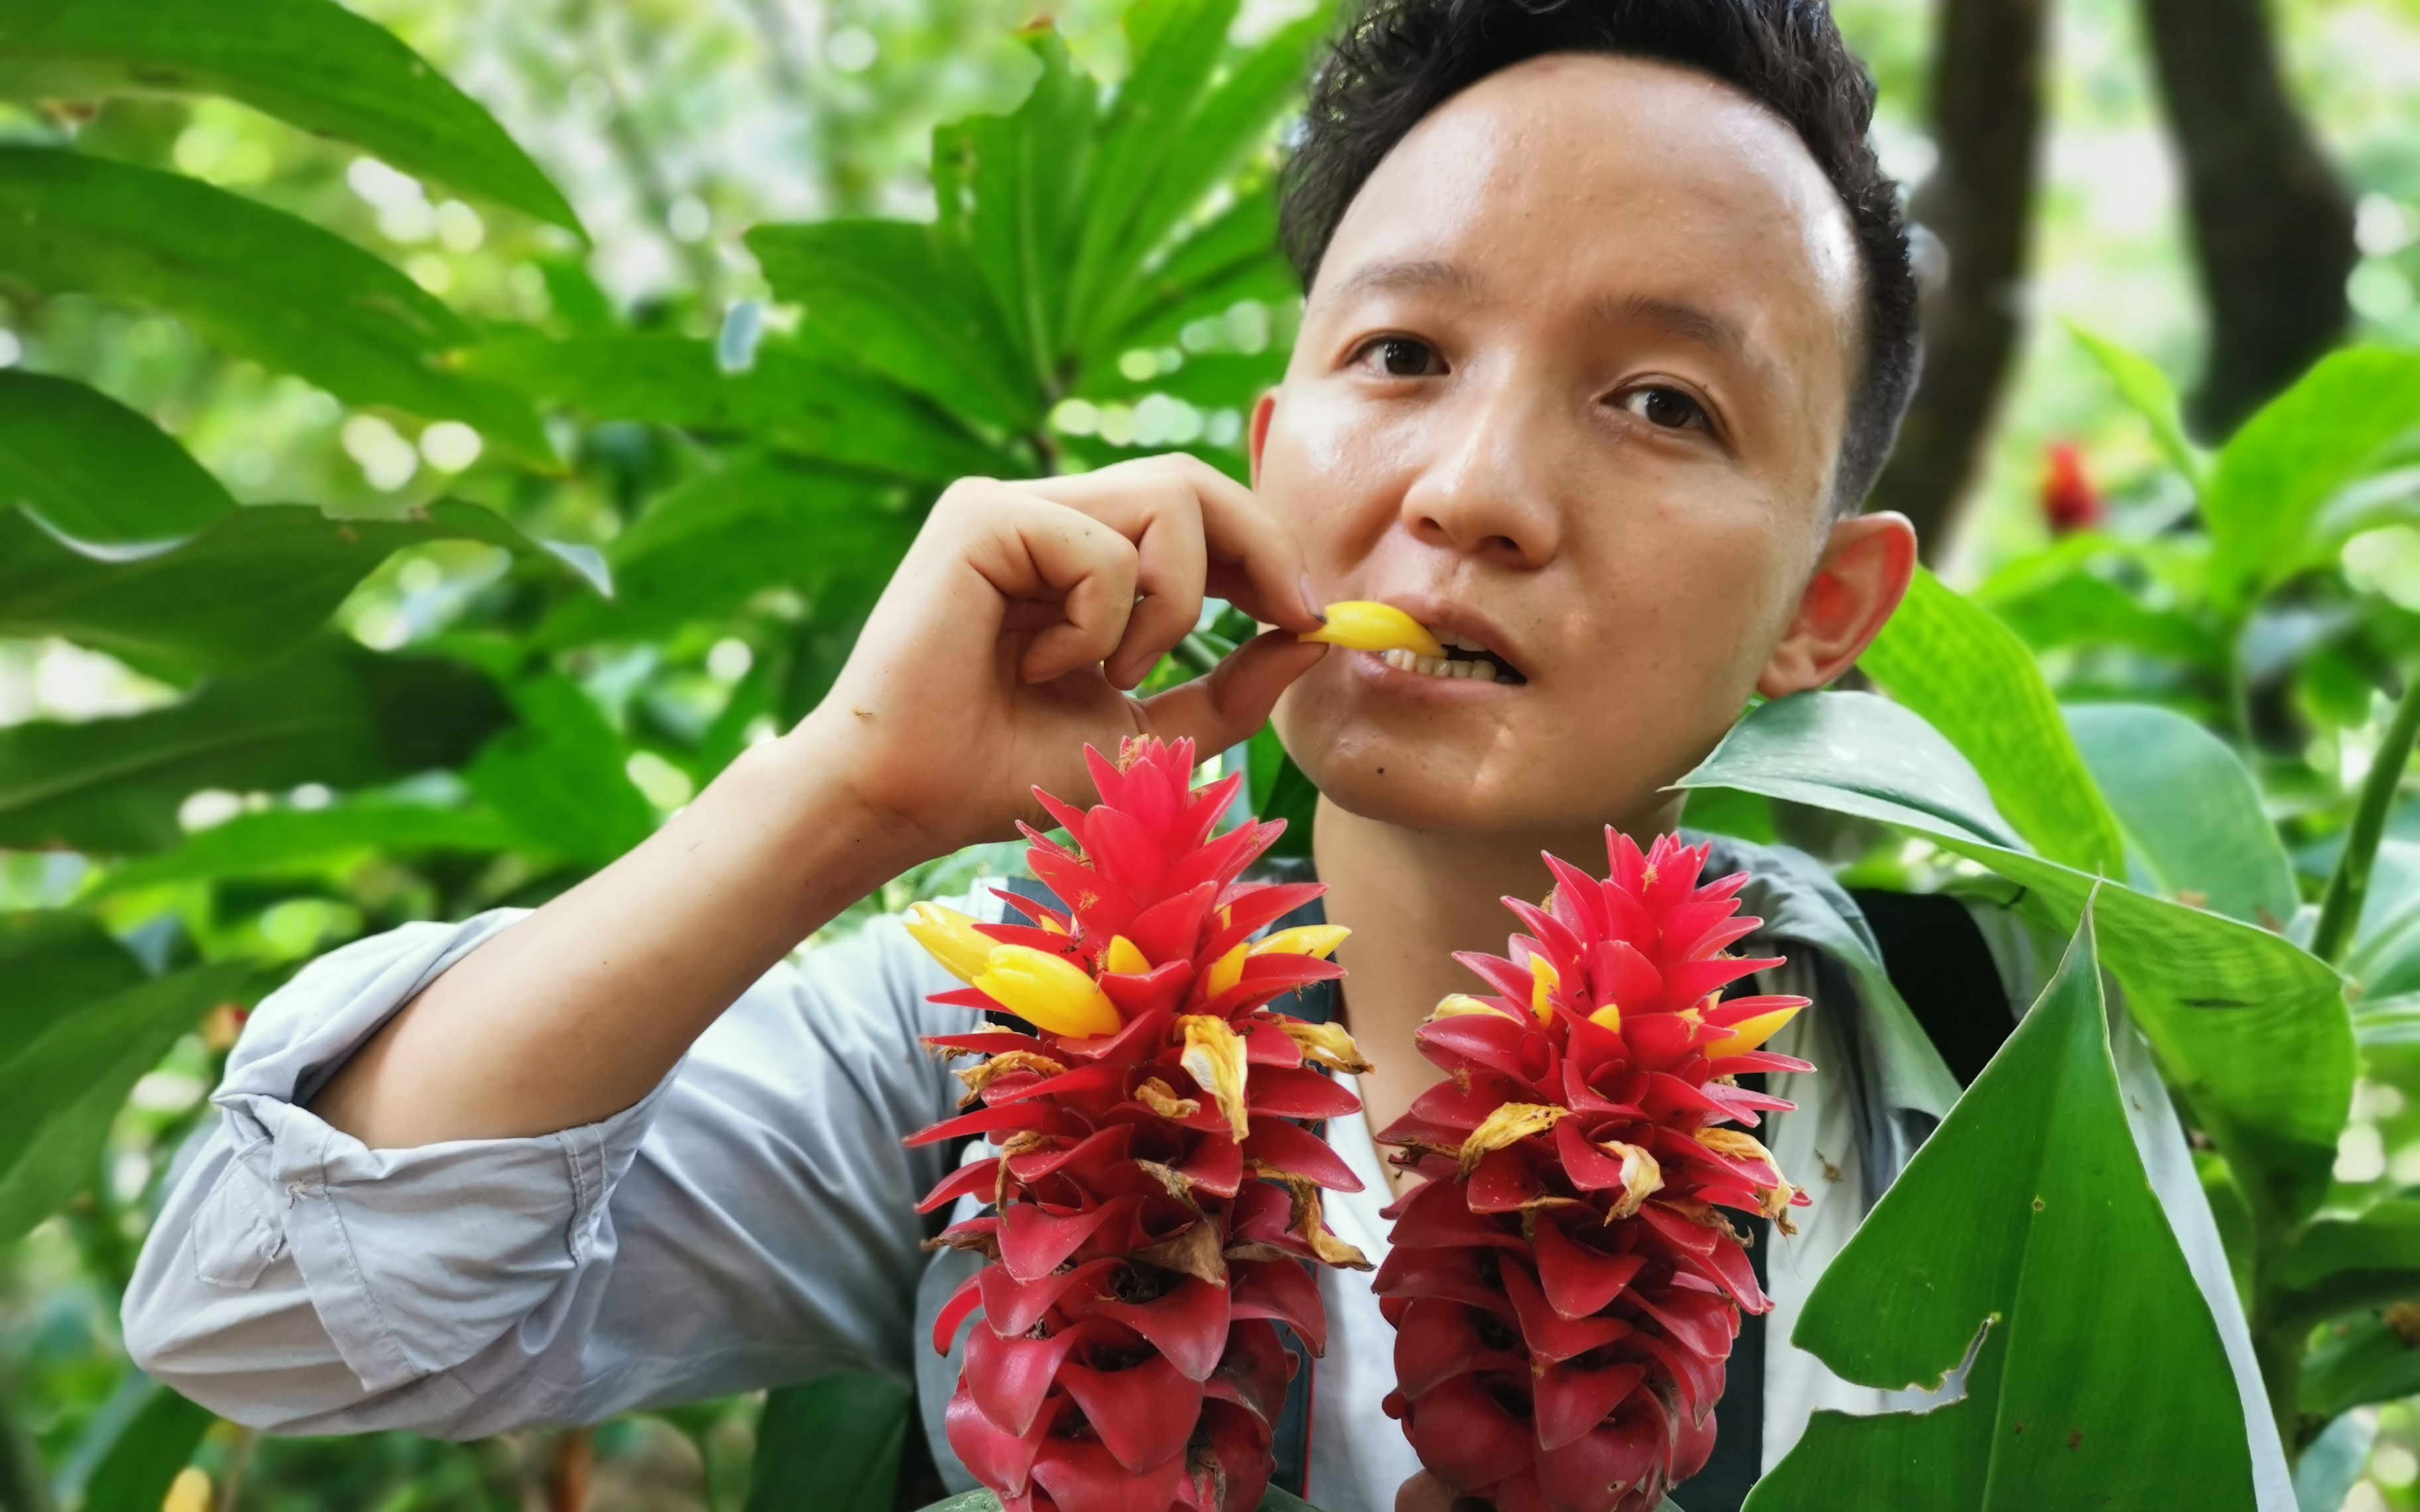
{"x":1570,"y":387}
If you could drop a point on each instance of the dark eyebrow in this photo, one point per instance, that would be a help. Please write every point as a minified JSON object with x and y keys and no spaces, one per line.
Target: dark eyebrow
{"x":1418,"y":273}
{"x":1690,"y":322}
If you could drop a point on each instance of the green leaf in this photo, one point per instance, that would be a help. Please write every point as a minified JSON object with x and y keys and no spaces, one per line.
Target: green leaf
{"x":2276,"y":473}
{"x":252,"y":281}
{"x":2385,"y":955}
{"x":1974,"y":681}
{"x":2251,"y":1028}
{"x":2337,"y":1264}
{"x":560,"y":778}
{"x":710,"y":544}
{"x":1729,"y":812}
{"x":1279,"y":790}
{"x":824,"y":408}
{"x":2076,"y":606}
{"x":832,"y":1445}
{"x":94,"y":468}
{"x":157,"y":1443}
{"x":331,"y":713}
{"x":52,"y":960}
{"x":296,"y":842}
{"x":244,"y":590}
{"x":1232,"y":258}
{"x":64,"y":1086}
{"x":308,"y":62}
{"x":913,"y":306}
{"x":2372,"y":1358}
{"x":2027,"y":1218}
{"x":1025,"y":172}
{"x":2148,"y":391}
{"x":2190,"y":811}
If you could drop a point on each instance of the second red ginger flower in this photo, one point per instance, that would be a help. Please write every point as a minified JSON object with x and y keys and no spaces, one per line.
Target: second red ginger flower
{"x":1564,"y":1288}
{"x":1154,"y":1202}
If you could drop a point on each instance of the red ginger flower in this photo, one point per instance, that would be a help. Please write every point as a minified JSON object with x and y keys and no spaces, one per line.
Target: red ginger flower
{"x":1563,"y":1289}
{"x":1154,"y":1203}
{"x":2070,"y":502}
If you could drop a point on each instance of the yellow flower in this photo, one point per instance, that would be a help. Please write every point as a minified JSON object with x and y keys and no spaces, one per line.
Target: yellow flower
{"x":1049,"y":991}
{"x":1361,"y":625}
{"x":1225,"y":972}
{"x":1453,"y":1005}
{"x":952,"y":937}
{"x":1125,"y":957}
{"x":1213,"y":1057}
{"x":1544,"y":979}
{"x":1747,"y":1034}
{"x":1318,"y":941}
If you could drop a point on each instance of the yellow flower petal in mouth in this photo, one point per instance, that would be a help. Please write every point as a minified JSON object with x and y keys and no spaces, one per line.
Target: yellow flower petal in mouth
{"x":1049,"y":991}
{"x":1358,"y":624}
{"x":952,"y":938}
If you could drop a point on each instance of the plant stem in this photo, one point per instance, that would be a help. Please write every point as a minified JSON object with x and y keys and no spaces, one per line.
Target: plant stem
{"x":2347,"y":889}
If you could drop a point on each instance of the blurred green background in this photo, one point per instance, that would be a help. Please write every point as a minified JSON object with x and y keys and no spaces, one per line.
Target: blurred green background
{"x":644,"y":404}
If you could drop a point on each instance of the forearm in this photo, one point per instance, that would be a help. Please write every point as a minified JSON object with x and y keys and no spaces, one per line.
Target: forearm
{"x":574,"y":1012}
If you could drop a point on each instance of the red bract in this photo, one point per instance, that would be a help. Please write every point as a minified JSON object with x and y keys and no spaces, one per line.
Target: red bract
{"x":1153,"y":1205}
{"x":1563,"y":1287}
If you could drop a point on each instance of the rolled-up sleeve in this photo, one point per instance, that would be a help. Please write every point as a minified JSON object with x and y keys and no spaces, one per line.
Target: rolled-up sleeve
{"x":751,"y":1220}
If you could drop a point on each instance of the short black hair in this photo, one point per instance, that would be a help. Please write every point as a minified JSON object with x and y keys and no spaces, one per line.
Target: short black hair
{"x":1397,"y":60}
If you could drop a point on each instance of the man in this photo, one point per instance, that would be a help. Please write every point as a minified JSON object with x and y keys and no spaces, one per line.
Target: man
{"x":1609,"y":326}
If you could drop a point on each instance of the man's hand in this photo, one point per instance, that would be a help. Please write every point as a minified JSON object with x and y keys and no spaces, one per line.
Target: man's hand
{"x":1024,"y":614}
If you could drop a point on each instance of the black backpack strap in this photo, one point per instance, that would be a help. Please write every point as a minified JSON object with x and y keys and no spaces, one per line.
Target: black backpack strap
{"x":1945,"y":973}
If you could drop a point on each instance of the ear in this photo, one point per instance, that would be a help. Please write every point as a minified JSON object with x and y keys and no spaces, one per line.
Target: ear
{"x":1262,"y":408}
{"x":1865,"y":571}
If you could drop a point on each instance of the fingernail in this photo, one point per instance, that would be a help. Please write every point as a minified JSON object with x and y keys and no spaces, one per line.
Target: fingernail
{"x":1311,"y":599}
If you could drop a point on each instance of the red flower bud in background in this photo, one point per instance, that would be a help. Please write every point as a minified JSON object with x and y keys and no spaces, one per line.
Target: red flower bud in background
{"x":1154,"y":1202}
{"x":1563,"y":1285}
{"x":2069,"y":503}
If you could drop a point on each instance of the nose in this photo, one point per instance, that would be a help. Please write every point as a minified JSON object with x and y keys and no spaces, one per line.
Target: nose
{"x":1485,"y":492}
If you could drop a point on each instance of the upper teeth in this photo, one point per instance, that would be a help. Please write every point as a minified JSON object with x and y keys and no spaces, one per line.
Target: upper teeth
{"x":1412,"y":662}
{"x":1457,"y":642}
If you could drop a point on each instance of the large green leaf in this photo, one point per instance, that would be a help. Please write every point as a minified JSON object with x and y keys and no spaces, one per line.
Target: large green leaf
{"x":832,"y":1445}
{"x":2275,"y":474}
{"x":252,"y":281}
{"x":911,"y":303}
{"x":1233,"y":258}
{"x":298,"y":842}
{"x":153,"y":1445}
{"x":2026,"y":1218}
{"x":2339,"y":1263}
{"x":331,"y":713}
{"x":94,"y":468}
{"x":711,"y":543}
{"x":1972,"y":679}
{"x":51,"y":960}
{"x":1280,"y":790}
{"x":244,"y":590}
{"x":2066,"y":597}
{"x":2190,"y":811}
{"x":2372,"y":1358}
{"x":2251,"y":1028}
{"x":1237,"y":115}
{"x":311,"y":62}
{"x":64,"y":1086}
{"x":1023,"y":177}
{"x":560,"y":778}
{"x":2148,"y":391}
{"x":789,"y":398}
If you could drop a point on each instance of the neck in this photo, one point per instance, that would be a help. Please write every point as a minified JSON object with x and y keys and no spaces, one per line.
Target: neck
{"x":1414,"y":897}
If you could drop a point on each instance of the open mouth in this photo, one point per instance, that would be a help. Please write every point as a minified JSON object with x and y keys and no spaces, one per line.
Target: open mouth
{"x":1463,"y":658}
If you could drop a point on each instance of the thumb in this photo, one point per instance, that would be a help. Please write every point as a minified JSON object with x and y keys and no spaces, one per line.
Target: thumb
{"x":1228,"y":705}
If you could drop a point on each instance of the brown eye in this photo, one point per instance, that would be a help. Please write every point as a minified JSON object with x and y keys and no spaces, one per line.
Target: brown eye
{"x":1667,"y":408}
{"x":1401,"y":356}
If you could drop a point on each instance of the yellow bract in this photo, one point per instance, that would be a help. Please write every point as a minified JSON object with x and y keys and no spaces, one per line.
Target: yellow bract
{"x":1507,"y":1126}
{"x":1326,"y":1043}
{"x":1358,"y":624}
{"x":1453,"y":1005}
{"x":1747,"y":1034}
{"x":1225,"y":972}
{"x":952,"y":938}
{"x":1049,"y":991}
{"x":1544,"y":979}
{"x":1318,"y":941}
{"x":1607,"y":1017}
{"x":1125,"y":957}
{"x":1213,"y":1057}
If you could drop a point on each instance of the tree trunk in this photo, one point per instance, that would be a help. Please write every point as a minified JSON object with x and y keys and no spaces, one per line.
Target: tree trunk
{"x":1986,"y":108}
{"x":2273,"y":228}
